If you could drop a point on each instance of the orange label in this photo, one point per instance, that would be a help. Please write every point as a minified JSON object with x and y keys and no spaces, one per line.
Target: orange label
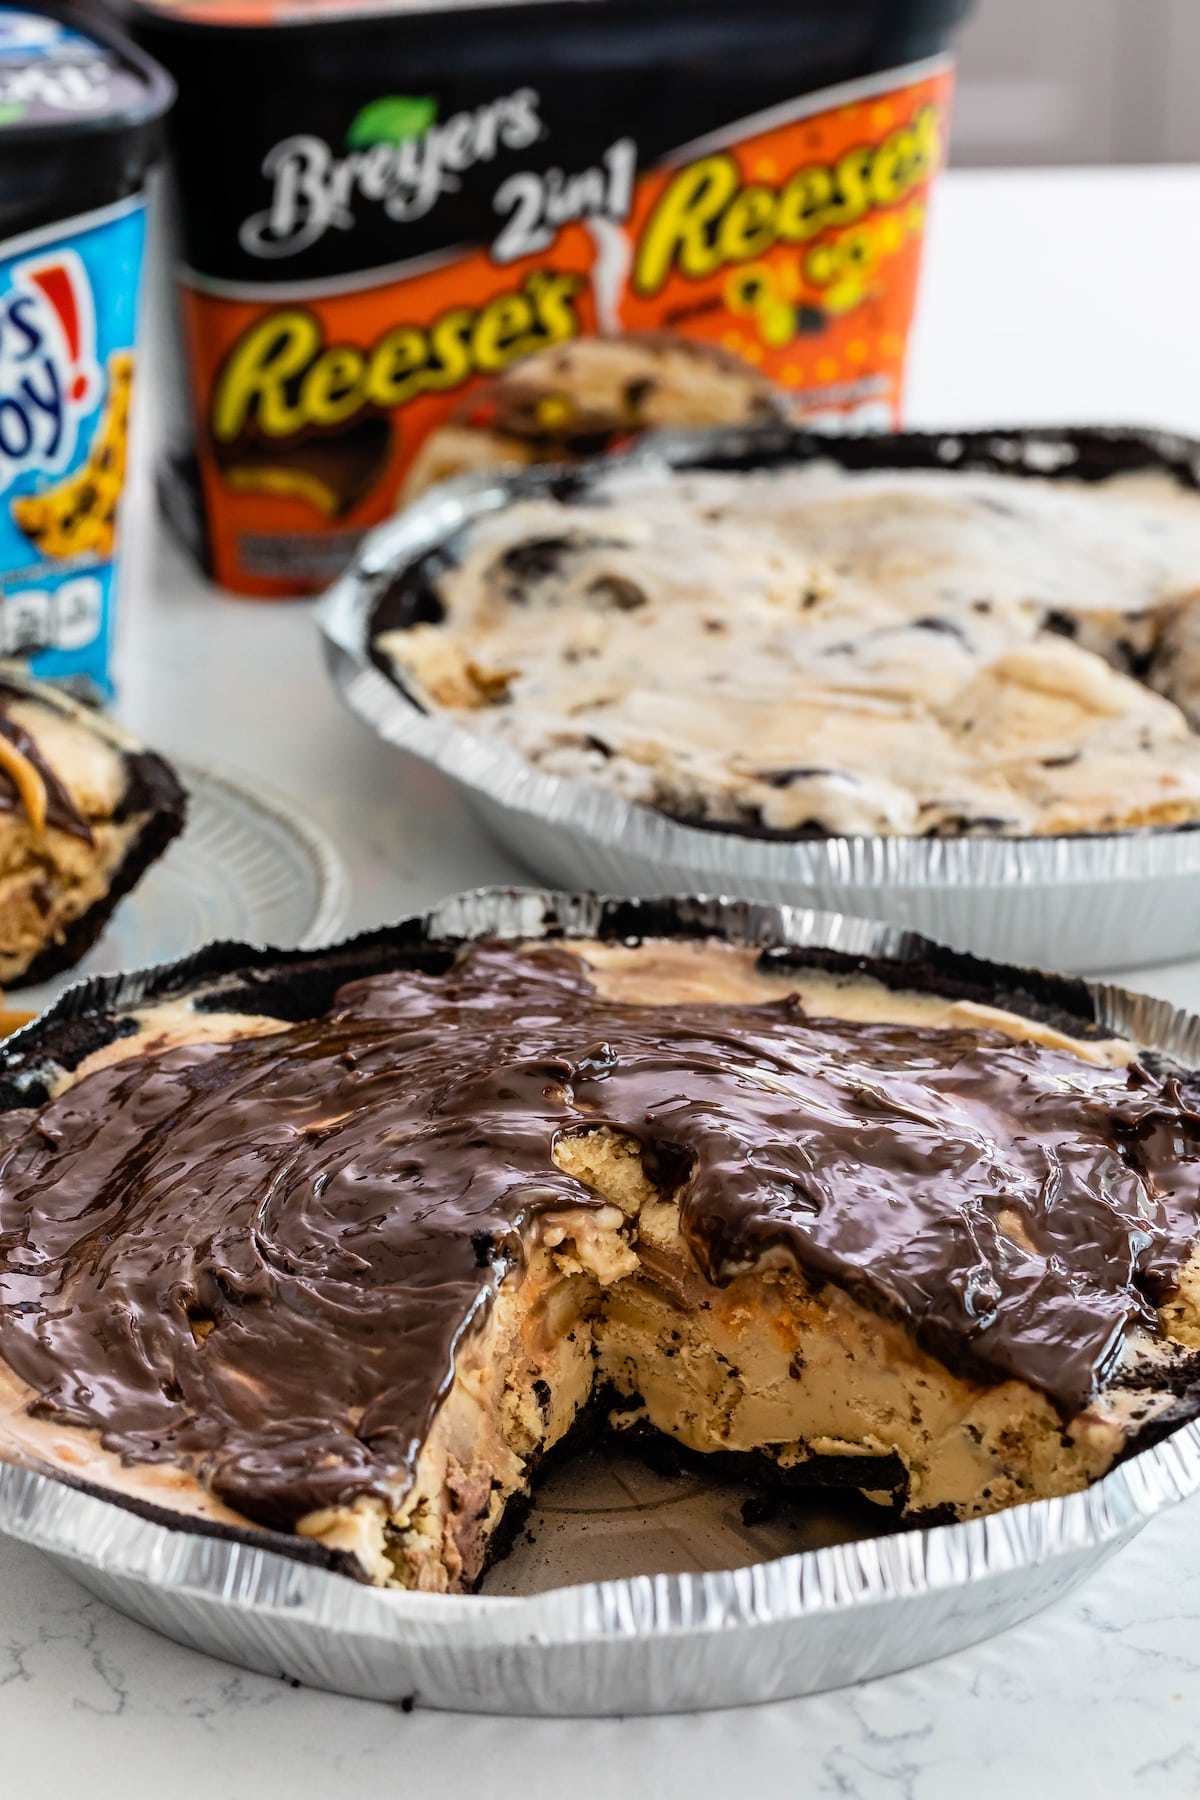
{"x":792,"y":241}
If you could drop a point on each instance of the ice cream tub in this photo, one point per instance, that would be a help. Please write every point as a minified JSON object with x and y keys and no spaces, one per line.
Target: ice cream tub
{"x":640,"y":1591}
{"x":1090,"y":901}
{"x":80,"y":118}
{"x":429,"y":237}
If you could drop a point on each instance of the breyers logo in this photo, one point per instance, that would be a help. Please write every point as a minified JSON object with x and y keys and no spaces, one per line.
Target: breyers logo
{"x":398,"y":157}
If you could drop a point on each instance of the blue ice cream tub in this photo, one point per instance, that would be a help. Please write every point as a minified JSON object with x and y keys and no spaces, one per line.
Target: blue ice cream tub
{"x":81,"y":111}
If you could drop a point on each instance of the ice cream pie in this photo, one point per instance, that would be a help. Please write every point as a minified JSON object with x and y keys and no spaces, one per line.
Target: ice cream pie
{"x":336,"y":1248}
{"x":84,"y":811}
{"x":590,"y":396}
{"x":808,"y":649}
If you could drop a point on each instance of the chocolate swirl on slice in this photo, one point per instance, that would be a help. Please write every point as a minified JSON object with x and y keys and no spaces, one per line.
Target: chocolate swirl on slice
{"x":259,"y":1256}
{"x":61,"y":810}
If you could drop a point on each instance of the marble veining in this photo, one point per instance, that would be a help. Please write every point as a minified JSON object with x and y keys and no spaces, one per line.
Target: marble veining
{"x":1098,"y":1696}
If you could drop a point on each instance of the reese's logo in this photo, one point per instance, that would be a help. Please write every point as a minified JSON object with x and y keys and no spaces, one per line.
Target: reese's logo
{"x":709,"y":218}
{"x":282,"y":377}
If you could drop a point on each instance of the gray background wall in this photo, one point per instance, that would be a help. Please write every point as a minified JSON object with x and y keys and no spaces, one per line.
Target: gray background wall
{"x":1079,"y":81}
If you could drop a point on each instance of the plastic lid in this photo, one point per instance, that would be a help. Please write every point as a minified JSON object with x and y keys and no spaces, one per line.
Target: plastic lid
{"x":226,"y":14}
{"x":223,"y":13}
{"x":58,"y":74}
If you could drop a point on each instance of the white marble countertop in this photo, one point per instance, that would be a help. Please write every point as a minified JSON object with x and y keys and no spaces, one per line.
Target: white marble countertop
{"x":1033,"y":309}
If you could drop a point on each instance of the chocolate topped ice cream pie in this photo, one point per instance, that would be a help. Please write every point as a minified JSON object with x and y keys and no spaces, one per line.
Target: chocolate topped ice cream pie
{"x":337,"y":1247}
{"x":810,"y":649}
{"x":84,"y":811}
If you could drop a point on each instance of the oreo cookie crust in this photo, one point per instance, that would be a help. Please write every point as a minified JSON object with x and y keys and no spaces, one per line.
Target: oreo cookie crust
{"x":807,"y":645}
{"x":84,"y":811}
{"x":338,"y":1247}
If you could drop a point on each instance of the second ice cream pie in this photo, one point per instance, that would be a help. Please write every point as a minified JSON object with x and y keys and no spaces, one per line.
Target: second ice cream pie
{"x":336,"y":1248}
{"x":791,"y":648}
{"x":591,"y":395}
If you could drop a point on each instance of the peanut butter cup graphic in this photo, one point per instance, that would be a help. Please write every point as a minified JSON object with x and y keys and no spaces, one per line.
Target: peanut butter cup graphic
{"x":331,"y":473}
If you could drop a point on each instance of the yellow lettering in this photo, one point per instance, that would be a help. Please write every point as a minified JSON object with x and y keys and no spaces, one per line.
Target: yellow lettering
{"x":253,"y":381}
{"x":927,"y":128}
{"x":749,"y":226}
{"x":450,"y":341}
{"x":332,"y":389}
{"x":395,"y":358}
{"x":553,"y":301}
{"x":705,"y":220}
{"x":889,"y":168}
{"x":502,"y":325}
{"x":803,"y":204}
{"x":850,"y":185}
{"x":282,"y":377}
{"x":678,"y":232}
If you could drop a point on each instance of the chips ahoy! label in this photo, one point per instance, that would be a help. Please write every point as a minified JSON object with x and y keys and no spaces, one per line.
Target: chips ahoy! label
{"x":81,"y":114}
{"x":67,"y":323}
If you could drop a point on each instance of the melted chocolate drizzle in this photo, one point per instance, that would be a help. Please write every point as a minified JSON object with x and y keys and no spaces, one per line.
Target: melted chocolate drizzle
{"x":258,"y":1256}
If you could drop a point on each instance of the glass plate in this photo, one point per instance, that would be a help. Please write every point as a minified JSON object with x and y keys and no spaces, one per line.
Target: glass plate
{"x":246,"y":866}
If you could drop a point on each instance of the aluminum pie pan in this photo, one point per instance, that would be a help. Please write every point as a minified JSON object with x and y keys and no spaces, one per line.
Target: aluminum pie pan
{"x":797,"y":1624}
{"x":1095,"y":902}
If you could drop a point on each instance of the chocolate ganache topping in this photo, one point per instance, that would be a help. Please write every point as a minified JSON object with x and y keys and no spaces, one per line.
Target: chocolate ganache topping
{"x":257,"y":1256}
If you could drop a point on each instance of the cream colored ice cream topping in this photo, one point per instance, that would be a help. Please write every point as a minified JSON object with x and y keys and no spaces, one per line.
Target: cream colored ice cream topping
{"x":853,"y":653}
